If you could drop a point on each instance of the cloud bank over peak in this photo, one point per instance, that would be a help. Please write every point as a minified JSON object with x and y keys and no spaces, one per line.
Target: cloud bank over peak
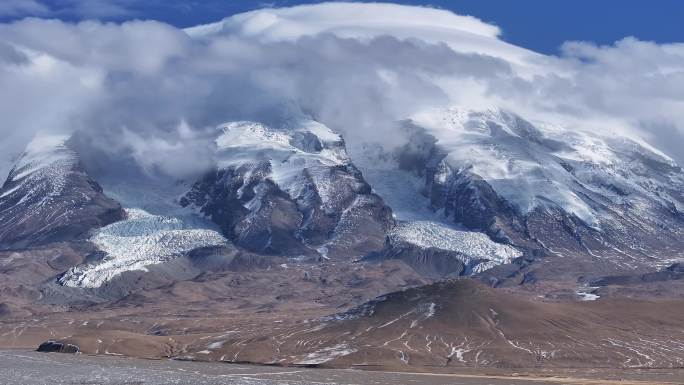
{"x":150,"y":91}
{"x":465,"y":34}
{"x":351,"y":19}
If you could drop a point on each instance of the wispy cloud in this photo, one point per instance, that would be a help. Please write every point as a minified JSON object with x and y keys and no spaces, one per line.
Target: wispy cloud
{"x":78,"y":9}
{"x":13,"y":8}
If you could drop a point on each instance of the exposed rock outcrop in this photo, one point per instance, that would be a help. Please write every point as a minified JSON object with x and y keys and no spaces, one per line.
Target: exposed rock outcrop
{"x":290,"y":191}
{"x":48,"y":197}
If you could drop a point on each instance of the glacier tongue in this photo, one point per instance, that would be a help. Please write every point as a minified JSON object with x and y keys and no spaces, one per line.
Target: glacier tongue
{"x":473,"y":245}
{"x":139,"y":241}
{"x":401,"y":191}
{"x":156,"y":228}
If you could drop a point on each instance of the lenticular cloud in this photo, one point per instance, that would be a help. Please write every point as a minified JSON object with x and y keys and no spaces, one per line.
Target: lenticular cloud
{"x":150,"y":91}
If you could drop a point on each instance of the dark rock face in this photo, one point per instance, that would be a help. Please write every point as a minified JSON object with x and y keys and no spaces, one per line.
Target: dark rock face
{"x":5,"y":310}
{"x":48,"y":197}
{"x":470,"y":200}
{"x":258,"y":216}
{"x":223,"y":196}
{"x":430,"y":262}
{"x":306,"y":141}
{"x":322,"y":207}
{"x":57,"y":347}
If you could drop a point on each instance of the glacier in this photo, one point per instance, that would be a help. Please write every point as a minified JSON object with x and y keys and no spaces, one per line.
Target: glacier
{"x":156,"y":228}
{"x":475,"y":247}
{"x":136,"y":243}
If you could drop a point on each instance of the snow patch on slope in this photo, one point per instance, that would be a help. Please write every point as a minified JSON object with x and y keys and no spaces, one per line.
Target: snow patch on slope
{"x":511,"y":156}
{"x":45,"y":163}
{"x":287,"y":150}
{"x":326,"y":354}
{"x":533,"y":164}
{"x":587,"y":293}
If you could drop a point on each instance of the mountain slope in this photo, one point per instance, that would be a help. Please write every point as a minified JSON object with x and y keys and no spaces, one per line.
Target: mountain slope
{"x":291,"y":191}
{"x":539,"y":186}
{"x":466,"y":324}
{"x":48,"y":197}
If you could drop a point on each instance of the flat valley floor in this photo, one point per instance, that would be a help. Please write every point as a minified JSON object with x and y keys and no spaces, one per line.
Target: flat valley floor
{"x":25,"y":367}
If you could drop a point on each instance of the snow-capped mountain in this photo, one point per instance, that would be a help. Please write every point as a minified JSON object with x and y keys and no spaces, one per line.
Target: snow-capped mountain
{"x":342,"y":184}
{"x":537,"y":185}
{"x":290,"y":190}
{"x":48,"y":197}
{"x":469,"y":191}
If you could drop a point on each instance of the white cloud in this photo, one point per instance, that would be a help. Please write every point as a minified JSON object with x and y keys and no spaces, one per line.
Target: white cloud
{"x":352,"y":19}
{"x":632,"y":84}
{"x":368,"y":20}
{"x":357,"y":67}
{"x":22,"y":7}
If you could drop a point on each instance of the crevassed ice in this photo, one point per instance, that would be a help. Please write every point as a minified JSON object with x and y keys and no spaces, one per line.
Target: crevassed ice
{"x":473,"y":245}
{"x":137,"y":242}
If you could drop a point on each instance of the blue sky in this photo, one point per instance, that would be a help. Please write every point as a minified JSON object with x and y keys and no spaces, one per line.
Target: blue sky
{"x":541,"y":25}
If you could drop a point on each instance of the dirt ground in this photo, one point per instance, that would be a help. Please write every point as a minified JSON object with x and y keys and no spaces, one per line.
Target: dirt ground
{"x":25,"y":367}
